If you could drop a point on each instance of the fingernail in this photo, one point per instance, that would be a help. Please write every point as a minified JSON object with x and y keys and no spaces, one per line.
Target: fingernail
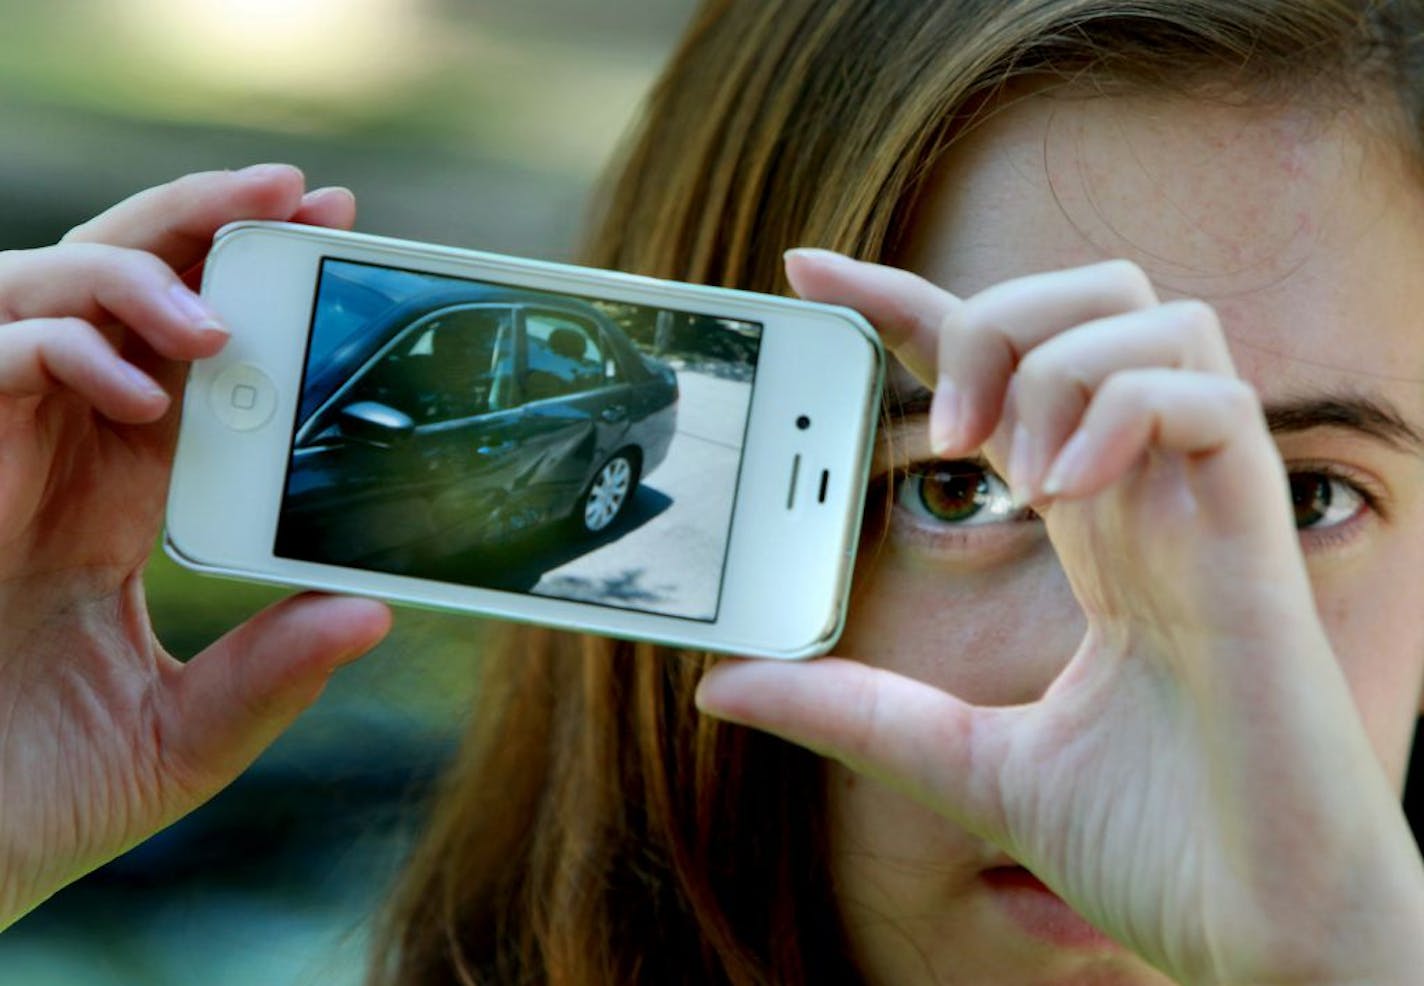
{"x":1068,"y":468}
{"x":1021,"y":465}
{"x":321,"y":193}
{"x":141,"y":381}
{"x":271,"y":170}
{"x":350,"y":657}
{"x":946,"y":416}
{"x":193,"y":310}
{"x":704,"y":698}
{"x":818,"y":254}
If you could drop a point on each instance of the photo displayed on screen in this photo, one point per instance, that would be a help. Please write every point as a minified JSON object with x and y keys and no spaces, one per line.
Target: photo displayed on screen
{"x":494,"y":436}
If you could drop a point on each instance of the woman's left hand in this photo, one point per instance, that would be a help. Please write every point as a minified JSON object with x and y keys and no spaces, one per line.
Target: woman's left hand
{"x":1196,"y":782}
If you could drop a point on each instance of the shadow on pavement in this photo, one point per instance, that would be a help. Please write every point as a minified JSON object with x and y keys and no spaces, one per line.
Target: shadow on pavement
{"x":625,"y":589}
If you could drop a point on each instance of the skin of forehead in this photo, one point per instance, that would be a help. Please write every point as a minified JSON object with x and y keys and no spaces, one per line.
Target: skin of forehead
{"x":1292,"y":224}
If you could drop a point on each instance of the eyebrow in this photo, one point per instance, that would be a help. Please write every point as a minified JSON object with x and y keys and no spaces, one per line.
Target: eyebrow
{"x":1364,"y":414}
{"x":1373,"y":417}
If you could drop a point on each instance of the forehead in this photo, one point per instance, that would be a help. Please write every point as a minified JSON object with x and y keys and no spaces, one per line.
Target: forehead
{"x":1306,"y":233}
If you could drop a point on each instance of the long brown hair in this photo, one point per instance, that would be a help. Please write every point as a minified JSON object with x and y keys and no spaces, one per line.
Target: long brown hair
{"x":594,"y":828}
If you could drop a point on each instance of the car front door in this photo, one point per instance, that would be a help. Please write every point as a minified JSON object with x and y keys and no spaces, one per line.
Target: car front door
{"x":416,"y":456}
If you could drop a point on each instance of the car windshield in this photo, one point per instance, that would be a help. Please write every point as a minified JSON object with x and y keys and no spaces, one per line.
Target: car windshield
{"x":351,"y":301}
{"x":352,"y":295}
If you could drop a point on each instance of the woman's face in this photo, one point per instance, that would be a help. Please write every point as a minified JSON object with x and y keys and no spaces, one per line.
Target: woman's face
{"x":1308,"y":237}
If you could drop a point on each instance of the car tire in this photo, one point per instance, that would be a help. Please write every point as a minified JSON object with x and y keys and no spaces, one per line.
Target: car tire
{"x":608,"y":494}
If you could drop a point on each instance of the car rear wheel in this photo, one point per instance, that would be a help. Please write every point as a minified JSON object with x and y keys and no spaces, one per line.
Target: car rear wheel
{"x":609,"y":493}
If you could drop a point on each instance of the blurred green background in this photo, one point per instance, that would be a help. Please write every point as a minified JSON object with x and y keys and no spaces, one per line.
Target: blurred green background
{"x":468,"y":122}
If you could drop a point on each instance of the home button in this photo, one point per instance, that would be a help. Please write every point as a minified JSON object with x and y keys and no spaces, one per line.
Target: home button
{"x":243,"y":397}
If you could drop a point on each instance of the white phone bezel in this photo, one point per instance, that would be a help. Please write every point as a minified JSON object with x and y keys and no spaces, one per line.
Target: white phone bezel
{"x":227,"y":484}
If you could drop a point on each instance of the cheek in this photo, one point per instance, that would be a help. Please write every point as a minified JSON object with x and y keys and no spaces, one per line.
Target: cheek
{"x":993,"y":636}
{"x":1374,"y":627}
{"x":898,"y":869}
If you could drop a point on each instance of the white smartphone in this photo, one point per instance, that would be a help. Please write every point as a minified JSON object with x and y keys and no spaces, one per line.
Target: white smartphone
{"x":526,"y":440}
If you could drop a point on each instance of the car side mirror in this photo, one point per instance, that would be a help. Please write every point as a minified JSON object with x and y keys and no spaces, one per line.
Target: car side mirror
{"x":375,"y":424}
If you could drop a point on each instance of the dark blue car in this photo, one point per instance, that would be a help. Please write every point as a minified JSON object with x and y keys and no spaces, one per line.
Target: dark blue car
{"x":463,"y":417}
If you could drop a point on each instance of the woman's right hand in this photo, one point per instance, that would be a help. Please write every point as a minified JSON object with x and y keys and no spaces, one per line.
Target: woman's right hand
{"x":1197,"y":781}
{"x":104,"y":737}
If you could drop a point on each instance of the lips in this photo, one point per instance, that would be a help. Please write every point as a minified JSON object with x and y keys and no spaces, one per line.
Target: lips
{"x":1039,"y":912}
{"x":1016,"y":876}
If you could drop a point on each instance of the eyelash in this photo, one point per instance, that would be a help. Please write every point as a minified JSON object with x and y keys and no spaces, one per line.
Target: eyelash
{"x":991,"y":492}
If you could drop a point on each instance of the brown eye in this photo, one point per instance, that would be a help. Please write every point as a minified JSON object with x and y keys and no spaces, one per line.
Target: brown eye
{"x":1321,"y":500}
{"x":961,"y":492}
{"x":955,"y":491}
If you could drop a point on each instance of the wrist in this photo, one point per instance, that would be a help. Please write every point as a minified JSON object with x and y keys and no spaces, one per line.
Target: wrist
{"x":1388,"y":951}
{"x":1363,"y":926}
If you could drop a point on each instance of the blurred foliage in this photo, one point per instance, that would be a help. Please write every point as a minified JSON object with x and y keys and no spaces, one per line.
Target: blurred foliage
{"x":693,"y":337}
{"x":524,"y":89}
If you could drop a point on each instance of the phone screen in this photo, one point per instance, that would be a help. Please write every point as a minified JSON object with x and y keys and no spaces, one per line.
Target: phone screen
{"x":489,"y":435}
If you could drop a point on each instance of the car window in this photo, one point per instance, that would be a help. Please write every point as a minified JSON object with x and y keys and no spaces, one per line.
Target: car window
{"x":452,"y":364}
{"x":564,"y":356}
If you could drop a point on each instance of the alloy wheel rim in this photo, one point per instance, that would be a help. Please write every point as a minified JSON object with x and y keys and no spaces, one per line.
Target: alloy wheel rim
{"x":606,"y":496}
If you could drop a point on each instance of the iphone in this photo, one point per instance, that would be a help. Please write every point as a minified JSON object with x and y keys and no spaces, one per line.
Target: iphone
{"x":528,"y":441}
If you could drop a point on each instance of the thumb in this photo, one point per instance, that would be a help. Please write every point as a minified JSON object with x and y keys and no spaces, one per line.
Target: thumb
{"x":229,"y":703}
{"x":914,"y":737}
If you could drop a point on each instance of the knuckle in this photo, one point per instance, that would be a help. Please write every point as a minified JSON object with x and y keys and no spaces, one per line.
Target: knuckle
{"x":1196,"y":320}
{"x":1239,"y":398}
{"x":100,"y":267}
{"x":194,"y":191}
{"x":1040,"y":369}
{"x":132,"y":271}
{"x":1126,"y":281}
{"x":1051,"y":374}
{"x":1131,"y":388}
{"x":69,"y":333}
{"x":171,"y":198}
{"x":946,"y":325}
{"x":185,"y":188}
{"x":1124,"y":274}
{"x":123,"y":269}
{"x":78,"y":234}
{"x":863,"y":738}
{"x":12,"y":266}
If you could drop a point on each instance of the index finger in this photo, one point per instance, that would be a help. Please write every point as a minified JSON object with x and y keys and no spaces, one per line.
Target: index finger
{"x":907,"y":310}
{"x":176,"y":221}
{"x":968,"y":351}
{"x":910,"y":313}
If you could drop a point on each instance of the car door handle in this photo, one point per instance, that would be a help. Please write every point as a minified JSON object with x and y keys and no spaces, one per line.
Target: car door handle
{"x":499,"y":449}
{"x":616,"y":412}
